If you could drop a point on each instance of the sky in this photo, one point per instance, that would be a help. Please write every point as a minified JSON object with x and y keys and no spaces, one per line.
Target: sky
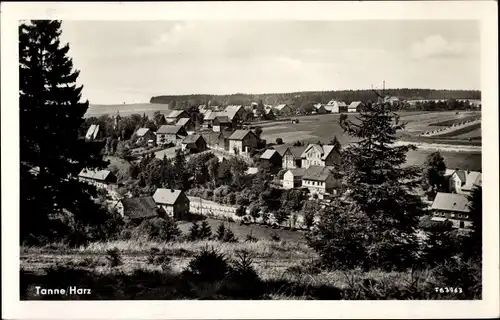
{"x":131,"y":61}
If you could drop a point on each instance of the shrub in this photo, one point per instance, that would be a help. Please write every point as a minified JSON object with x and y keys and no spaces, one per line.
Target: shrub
{"x":161,"y":258}
{"x":224,"y":234}
{"x":243,"y":274}
{"x":254,"y":211}
{"x":241,"y":211}
{"x":114,"y":257}
{"x":251,"y":238}
{"x":279,"y":141}
{"x":208,"y":266}
{"x":205,"y":230}
{"x":159,"y":229}
{"x":275,"y":237}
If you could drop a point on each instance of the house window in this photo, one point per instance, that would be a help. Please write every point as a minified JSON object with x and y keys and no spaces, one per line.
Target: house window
{"x":462,"y":225}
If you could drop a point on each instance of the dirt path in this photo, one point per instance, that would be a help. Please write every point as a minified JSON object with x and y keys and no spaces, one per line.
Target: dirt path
{"x":442,"y":147}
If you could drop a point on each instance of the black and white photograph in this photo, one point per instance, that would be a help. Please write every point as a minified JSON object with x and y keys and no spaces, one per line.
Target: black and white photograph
{"x":193,"y":158}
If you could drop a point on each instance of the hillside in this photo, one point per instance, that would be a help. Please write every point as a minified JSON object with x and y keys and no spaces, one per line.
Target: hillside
{"x":177,"y":101}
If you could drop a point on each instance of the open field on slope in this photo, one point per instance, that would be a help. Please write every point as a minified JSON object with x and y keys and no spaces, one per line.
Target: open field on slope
{"x":95,"y":110}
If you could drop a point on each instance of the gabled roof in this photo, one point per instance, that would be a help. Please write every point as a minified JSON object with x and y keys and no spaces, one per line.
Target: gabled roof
{"x":297,"y":172}
{"x":317,"y":173}
{"x":175,"y":113}
{"x":141,"y":132}
{"x":166,"y":196}
{"x":355,"y":104}
{"x":318,"y":105}
{"x":269,"y":153}
{"x":462,"y":175}
{"x":450,"y":202}
{"x":211,"y":115}
{"x":336,"y":103}
{"x":222,"y":119}
{"x":449,"y":172}
{"x":240,"y":134}
{"x":169,"y":129}
{"x":100,"y":175}
{"x":212,"y":137}
{"x":474,"y":178}
{"x":325,"y":150}
{"x":144,"y":207}
{"x":182,"y":121}
{"x":92,"y":131}
{"x":191,"y":139}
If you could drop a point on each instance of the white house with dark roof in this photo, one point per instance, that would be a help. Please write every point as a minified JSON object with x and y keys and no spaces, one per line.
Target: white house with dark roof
{"x":170,"y":134}
{"x":103,"y":179}
{"x":293,"y":178}
{"x":93,"y":133}
{"x":243,"y":142}
{"x":320,"y":180}
{"x":144,"y":136}
{"x":464,"y":181}
{"x":283,"y":109}
{"x":452,"y":207}
{"x":335,"y":106}
{"x":174,"y":202}
{"x":317,"y":155}
{"x":355,"y":106}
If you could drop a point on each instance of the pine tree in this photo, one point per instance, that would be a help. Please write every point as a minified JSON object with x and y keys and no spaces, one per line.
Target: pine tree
{"x":181,"y":174}
{"x":194,"y":231}
{"x":336,"y":144}
{"x":205,"y":230}
{"x":220,"y":232}
{"x":50,"y":117}
{"x":380,"y":192}
{"x":434,"y":169}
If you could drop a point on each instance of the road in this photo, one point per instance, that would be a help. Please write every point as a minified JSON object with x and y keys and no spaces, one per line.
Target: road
{"x":442,"y":147}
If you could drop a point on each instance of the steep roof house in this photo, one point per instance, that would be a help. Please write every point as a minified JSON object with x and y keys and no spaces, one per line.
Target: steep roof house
{"x":318,"y":155}
{"x":93,"y":133}
{"x":175,"y":115}
{"x":221,"y":122}
{"x":283,"y":109}
{"x":335,"y":106}
{"x":170,"y":134}
{"x":319,"y":108}
{"x":194,"y":144}
{"x":175,"y":203}
{"x":293,"y":178}
{"x":271,"y":159}
{"x":320,"y":180}
{"x":463,"y":181}
{"x":103,"y":179}
{"x":138,"y":209}
{"x":243,"y":142}
{"x":144,"y":136}
{"x":355,"y":106}
{"x":291,"y":156}
{"x":187,"y":124}
{"x":452,"y":207}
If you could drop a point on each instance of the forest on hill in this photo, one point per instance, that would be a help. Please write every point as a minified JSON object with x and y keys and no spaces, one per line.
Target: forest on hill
{"x":299,"y":98}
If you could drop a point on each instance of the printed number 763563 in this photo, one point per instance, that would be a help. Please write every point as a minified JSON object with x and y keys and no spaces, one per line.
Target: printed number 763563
{"x":448,"y":290}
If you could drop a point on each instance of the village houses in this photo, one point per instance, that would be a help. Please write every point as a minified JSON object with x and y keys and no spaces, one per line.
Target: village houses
{"x":174,"y":202}
{"x":144,"y":136}
{"x":291,"y":156}
{"x":218,"y":140}
{"x":355,"y":106}
{"x":293,"y":178}
{"x":187,"y":124}
{"x":320,"y":180}
{"x":283,"y":110}
{"x":102,"y":179}
{"x":93,"y":133}
{"x":137,"y":209}
{"x":175,"y":115}
{"x":271,"y":159}
{"x":318,"y":155}
{"x":335,"y":106}
{"x":243,"y":142}
{"x":170,"y":134}
{"x":220,"y":123}
{"x":463,"y":181}
{"x":452,"y":207}
{"x":194,"y":144}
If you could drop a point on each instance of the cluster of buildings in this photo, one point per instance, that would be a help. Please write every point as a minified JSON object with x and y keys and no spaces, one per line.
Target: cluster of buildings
{"x":453,"y":205}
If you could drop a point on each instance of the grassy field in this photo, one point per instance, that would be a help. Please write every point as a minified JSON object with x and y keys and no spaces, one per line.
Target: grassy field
{"x":125,"y":109}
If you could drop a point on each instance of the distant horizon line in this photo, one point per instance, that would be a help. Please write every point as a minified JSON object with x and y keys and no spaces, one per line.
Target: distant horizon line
{"x":268,"y":93}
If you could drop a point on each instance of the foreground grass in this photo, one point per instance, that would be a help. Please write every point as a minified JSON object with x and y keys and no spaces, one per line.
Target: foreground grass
{"x":285,"y":270}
